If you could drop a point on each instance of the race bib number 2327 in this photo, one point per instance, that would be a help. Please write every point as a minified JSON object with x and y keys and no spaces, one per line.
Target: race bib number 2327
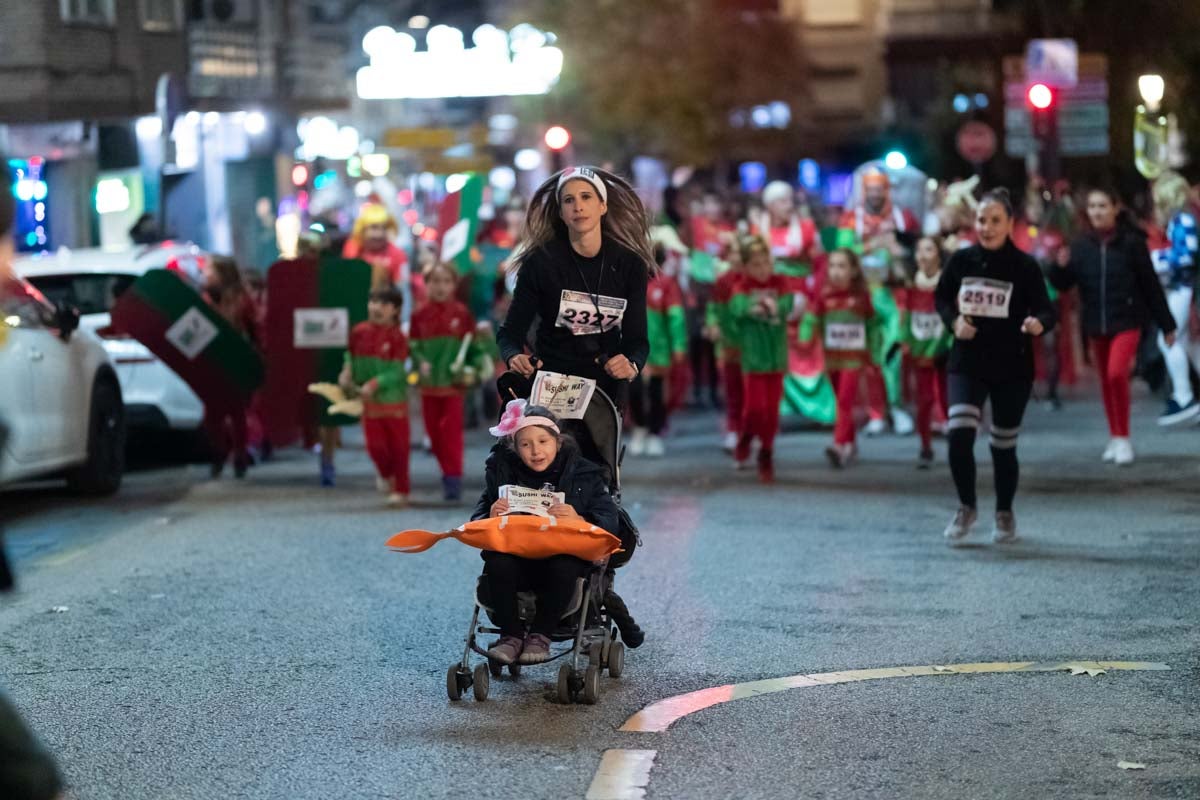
{"x":982,"y":297}
{"x":578,"y":313}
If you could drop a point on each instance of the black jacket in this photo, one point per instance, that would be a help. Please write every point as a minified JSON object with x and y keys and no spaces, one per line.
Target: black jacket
{"x":1117,"y":283}
{"x":616,"y":272}
{"x":999,"y":351}
{"x":581,"y":481}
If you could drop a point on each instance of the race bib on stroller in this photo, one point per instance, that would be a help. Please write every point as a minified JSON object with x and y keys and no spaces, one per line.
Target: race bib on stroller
{"x":927,"y":326}
{"x":566,"y":396}
{"x":983,"y":297}
{"x":845,"y":336}
{"x":579,"y":314}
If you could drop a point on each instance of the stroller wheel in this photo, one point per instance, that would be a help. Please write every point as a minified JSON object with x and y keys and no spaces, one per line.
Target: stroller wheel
{"x":495,"y":667}
{"x":482,"y":682}
{"x":596,"y":654}
{"x":454,"y":682}
{"x":616,"y":659}
{"x":591,"y":685}
{"x":514,"y":669}
{"x":565,"y":675}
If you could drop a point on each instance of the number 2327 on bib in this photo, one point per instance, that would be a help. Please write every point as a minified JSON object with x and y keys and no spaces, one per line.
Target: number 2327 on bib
{"x":981,"y":297}
{"x":578,"y":313}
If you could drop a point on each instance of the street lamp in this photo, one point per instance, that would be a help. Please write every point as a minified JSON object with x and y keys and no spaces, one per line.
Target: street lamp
{"x":1150,"y":129}
{"x":1151,"y":88}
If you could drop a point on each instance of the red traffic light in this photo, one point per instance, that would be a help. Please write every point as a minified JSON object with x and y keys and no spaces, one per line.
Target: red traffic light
{"x":1040,"y":96}
{"x":557,"y":137}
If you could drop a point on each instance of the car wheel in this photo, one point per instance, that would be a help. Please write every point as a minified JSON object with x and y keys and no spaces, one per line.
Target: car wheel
{"x":101,"y":473}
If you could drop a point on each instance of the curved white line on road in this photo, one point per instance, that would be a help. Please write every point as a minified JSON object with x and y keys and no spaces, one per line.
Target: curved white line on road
{"x":623,"y":775}
{"x":659,"y":716}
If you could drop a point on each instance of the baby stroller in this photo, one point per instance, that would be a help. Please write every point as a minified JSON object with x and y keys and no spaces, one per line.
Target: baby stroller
{"x":595,"y":612}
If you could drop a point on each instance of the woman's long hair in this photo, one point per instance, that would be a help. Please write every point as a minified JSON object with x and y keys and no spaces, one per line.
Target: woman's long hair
{"x":626,"y":222}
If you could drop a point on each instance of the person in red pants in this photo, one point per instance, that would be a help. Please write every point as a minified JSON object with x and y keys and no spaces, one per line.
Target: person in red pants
{"x":1119,"y":292}
{"x":761,"y":302}
{"x":719,"y":328}
{"x":375,"y":367}
{"x":448,"y":361}
{"x":226,"y":291}
{"x":845,"y":318}
{"x":927,"y":343}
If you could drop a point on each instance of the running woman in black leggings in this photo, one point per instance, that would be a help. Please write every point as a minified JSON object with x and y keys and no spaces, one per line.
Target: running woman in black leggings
{"x":993,"y":297}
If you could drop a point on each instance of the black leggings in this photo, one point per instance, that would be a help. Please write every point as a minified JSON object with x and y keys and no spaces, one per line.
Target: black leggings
{"x":552,"y":579}
{"x":967,"y":395}
{"x":656,"y":387}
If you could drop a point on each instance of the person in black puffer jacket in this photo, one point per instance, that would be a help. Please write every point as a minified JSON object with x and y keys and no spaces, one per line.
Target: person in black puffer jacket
{"x":1120,"y":293}
{"x":535,"y":454}
{"x":993,"y":297}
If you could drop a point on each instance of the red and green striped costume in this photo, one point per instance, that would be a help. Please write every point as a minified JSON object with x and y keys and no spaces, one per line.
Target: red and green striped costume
{"x":923,"y":330}
{"x":717,"y":315}
{"x":377,"y":353}
{"x":759,"y":312}
{"x":437,"y":332}
{"x":848,"y":326}
{"x":666,"y":324}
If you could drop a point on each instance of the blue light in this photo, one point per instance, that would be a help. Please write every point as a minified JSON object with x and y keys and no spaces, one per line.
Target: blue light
{"x":40,"y":190}
{"x":962,"y":103}
{"x":981,"y":100}
{"x":810,"y":174}
{"x":753,"y":175}
{"x":896,"y":160}
{"x":324,"y":179}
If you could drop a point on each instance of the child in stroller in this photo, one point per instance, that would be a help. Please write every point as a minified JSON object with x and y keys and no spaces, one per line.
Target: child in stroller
{"x":574,"y":600}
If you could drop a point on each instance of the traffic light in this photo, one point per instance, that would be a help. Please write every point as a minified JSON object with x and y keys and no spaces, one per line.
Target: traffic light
{"x":557,"y":138}
{"x":1043,"y":125}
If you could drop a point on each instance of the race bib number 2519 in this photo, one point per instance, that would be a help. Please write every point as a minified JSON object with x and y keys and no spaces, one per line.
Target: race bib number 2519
{"x":982,"y":297}
{"x":582,"y":316}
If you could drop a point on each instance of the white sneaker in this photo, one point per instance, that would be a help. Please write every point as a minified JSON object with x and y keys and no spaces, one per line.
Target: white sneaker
{"x":1110,"y":452}
{"x":397,"y":500}
{"x":729,"y":442}
{"x":1123,"y":452}
{"x":875,"y":427}
{"x":1005,"y":531}
{"x":902,"y":422}
{"x":654,"y":447}
{"x":960,"y":526}
{"x":382,"y":485}
{"x":637,"y":443}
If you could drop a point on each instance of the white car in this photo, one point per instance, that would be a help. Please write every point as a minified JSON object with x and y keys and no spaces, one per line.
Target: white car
{"x":90,"y":280}
{"x":59,"y":397}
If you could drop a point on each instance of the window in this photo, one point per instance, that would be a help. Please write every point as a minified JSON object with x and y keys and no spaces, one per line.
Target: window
{"x":89,"y":12}
{"x":163,"y":16}
{"x":90,"y":293}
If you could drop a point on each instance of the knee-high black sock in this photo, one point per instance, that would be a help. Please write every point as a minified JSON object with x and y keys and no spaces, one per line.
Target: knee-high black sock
{"x":1008,"y":472}
{"x":962,"y":463}
{"x":658,"y":405}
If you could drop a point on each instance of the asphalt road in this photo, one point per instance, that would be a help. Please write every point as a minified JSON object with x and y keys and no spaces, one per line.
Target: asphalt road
{"x":255,"y":639}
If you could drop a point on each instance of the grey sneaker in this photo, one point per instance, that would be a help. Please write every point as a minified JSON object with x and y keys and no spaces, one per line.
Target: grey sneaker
{"x":506,"y":650}
{"x":1005,"y":531}
{"x":960,"y":526}
{"x":537,"y":649}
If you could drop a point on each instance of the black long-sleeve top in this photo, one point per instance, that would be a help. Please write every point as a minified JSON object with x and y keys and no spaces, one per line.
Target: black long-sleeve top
{"x":1117,"y":283}
{"x":999,"y":351}
{"x":615,"y":272}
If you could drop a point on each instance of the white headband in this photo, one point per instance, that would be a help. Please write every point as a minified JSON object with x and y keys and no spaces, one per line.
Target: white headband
{"x":583,"y":174}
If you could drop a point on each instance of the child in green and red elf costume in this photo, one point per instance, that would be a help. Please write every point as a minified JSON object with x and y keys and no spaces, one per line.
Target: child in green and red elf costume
{"x":447,"y":365}
{"x":666,"y":328}
{"x":759,"y":307}
{"x":927,"y":343}
{"x":375,"y":365}
{"x":846,"y":319}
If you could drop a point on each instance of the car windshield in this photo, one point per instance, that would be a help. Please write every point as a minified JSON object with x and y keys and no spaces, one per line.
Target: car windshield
{"x":91,"y":293}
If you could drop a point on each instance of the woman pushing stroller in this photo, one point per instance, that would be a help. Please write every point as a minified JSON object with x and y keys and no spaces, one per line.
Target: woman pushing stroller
{"x":535,"y":454}
{"x":583,"y":263}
